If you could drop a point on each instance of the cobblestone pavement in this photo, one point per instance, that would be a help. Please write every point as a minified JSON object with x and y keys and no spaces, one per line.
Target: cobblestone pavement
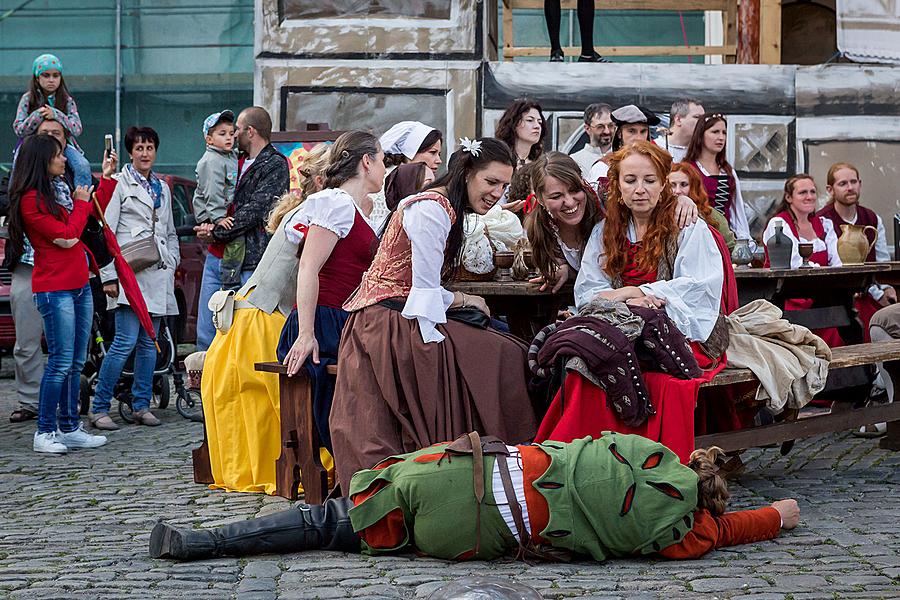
{"x":77,"y":526}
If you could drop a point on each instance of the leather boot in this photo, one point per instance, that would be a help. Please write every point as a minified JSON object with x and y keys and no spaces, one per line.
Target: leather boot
{"x":306,"y":527}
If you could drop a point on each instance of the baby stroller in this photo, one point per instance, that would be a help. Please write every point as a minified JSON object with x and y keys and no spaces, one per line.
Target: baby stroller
{"x":102,"y":333}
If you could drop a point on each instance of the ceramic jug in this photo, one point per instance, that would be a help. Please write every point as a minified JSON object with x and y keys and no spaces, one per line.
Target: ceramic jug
{"x":854,"y":245}
{"x":741,"y":256}
{"x":780,"y":248}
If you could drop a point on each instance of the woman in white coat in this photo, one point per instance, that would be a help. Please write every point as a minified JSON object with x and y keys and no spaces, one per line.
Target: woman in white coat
{"x":141,"y":206}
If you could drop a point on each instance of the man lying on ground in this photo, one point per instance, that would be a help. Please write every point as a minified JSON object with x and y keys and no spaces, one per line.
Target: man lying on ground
{"x":477,"y":498}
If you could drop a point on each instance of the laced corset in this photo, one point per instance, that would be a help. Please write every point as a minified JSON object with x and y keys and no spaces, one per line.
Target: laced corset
{"x":390,"y":275}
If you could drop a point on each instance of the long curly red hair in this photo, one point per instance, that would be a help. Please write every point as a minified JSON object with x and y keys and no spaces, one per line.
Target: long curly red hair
{"x":662,"y":228}
{"x":696,"y":191}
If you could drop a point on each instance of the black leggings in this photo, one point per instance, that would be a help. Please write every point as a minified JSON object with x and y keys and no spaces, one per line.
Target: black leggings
{"x":553,"y":14}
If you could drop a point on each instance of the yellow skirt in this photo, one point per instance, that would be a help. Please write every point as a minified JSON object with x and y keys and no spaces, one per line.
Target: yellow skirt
{"x":240,"y":405}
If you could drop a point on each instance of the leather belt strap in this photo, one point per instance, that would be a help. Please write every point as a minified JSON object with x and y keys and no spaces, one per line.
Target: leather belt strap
{"x":478,"y":481}
{"x":514,"y":505}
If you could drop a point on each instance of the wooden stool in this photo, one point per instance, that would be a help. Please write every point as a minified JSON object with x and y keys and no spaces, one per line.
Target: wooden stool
{"x":299,"y":463}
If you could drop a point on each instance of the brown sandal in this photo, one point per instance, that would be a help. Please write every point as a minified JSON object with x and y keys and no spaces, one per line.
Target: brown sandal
{"x":20,"y":415}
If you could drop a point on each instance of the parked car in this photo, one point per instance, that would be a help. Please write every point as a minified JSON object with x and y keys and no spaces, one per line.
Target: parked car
{"x":193,"y":255}
{"x":187,"y":277}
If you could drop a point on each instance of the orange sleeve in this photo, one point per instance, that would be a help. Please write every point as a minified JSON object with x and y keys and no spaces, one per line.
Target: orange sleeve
{"x":731,"y":529}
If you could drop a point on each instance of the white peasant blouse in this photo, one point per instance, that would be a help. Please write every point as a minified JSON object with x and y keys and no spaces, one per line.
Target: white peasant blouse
{"x":694,"y":294}
{"x":427,"y":225}
{"x":332,"y":209}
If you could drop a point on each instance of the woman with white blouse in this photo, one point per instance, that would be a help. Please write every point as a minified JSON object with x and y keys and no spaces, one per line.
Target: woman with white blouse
{"x":558,"y":228}
{"x":417,"y":362}
{"x":338,"y":239}
{"x":638,"y":255}
{"x":798,"y":221}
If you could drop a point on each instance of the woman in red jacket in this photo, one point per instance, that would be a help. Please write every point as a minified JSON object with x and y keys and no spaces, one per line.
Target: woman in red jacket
{"x":42,"y":208}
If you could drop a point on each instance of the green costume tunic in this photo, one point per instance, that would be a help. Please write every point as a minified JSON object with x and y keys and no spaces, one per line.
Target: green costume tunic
{"x":614,"y":496}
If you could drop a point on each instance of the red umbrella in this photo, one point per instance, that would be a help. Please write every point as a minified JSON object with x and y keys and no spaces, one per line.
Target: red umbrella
{"x":126,"y":278}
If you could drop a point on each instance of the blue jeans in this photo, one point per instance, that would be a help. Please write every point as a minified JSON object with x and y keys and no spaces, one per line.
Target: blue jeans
{"x":81,"y":168}
{"x":210,"y":283}
{"x":130,"y":336}
{"x":67,"y":319}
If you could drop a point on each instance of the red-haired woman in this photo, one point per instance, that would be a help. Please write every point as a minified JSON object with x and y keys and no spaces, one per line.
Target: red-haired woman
{"x":686,"y":181}
{"x":639,"y":256}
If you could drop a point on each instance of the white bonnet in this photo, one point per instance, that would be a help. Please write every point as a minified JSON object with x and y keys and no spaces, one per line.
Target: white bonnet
{"x":405,"y":138}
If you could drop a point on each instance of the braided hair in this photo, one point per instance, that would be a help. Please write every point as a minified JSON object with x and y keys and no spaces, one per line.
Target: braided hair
{"x":346,"y":154}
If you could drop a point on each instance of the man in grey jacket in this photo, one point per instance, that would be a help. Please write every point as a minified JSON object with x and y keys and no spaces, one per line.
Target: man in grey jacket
{"x":263,"y":177}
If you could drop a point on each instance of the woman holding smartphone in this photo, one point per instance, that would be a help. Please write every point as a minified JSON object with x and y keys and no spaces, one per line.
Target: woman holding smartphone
{"x":42,"y":208}
{"x":140,"y":208}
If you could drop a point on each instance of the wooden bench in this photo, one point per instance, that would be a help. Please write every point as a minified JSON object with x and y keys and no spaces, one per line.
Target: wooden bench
{"x":842,"y":417}
{"x":300,"y":464}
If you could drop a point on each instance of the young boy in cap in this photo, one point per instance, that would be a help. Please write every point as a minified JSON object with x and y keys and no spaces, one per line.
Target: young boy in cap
{"x":216,"y":180}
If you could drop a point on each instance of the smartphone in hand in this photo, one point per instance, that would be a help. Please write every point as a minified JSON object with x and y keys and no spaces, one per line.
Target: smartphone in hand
{"x":107,"y":144}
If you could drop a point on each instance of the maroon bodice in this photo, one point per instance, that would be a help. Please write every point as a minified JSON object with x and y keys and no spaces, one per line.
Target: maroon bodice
{"x":342,"y":272}
{"x":720,"y":190}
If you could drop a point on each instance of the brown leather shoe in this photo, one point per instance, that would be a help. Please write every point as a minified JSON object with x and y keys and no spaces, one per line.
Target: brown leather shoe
{"x":145,"y":417}
{"x":103,"y":421}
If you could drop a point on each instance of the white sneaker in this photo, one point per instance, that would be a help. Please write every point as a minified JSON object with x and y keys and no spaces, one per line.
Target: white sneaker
{"x":48,"y":442}
{"x":81,"y":438}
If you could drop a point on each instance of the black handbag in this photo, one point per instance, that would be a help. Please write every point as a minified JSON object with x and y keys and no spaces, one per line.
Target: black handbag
{"x":470,"y":316}
{"x":467,"y":314}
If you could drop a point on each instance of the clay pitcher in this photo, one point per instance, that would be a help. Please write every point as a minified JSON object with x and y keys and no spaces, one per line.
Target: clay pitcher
{"x":854,"y":245}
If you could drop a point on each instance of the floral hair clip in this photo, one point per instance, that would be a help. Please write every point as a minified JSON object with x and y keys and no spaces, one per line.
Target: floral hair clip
{"x":473,"y":147}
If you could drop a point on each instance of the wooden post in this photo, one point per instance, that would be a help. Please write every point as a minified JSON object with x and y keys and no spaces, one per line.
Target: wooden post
{"x":748,"y":32}
{"x":730,"y":26}
{"x":507,"y":29}
{"x":299,"y":463}
{"x":770,"y":32}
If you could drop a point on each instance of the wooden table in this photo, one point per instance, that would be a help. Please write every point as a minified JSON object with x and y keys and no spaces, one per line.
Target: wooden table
{"x":526,"y":308}
{"x":831,"y":288}
{"x":891,"y":277}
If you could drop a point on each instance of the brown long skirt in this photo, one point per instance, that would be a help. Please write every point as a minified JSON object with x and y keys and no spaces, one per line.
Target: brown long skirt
{"x":396,"y":394}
